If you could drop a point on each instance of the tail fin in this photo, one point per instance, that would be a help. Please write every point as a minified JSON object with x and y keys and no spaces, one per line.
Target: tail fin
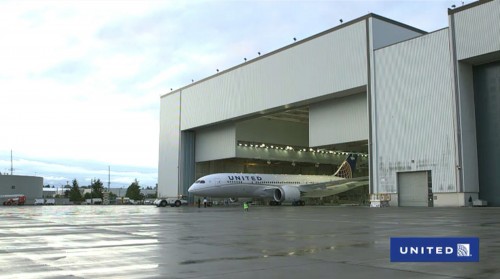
{"x":347,"y":167}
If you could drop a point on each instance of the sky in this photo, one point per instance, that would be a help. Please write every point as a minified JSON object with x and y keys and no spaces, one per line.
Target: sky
{"x":80,"y":81}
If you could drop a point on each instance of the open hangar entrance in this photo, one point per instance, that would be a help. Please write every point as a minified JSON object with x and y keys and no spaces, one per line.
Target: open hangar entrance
{"x":480,"y":99}
{"x":487,"y":102}
{"x":288,"y":142}
{"x":243,"y":165}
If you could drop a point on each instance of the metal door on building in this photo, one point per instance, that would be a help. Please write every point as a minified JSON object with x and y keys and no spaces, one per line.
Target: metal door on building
{"x":414,"y":189}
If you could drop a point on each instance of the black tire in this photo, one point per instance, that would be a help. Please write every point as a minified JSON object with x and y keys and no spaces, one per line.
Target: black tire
{"x":163,"y":203}
{"x":177,"y":203}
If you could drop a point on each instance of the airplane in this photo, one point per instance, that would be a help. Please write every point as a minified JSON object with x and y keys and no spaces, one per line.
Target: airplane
{"x":280,"y":188}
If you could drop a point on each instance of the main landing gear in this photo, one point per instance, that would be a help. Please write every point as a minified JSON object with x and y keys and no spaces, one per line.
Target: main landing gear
{"x":298,"y":203}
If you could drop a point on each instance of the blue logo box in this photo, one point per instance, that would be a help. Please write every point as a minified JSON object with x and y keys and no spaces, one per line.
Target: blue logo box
{"x":434,"y":249}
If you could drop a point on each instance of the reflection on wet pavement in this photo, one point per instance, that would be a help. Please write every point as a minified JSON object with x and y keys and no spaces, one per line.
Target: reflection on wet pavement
{"x":187,"y":242}
{"x":74,"y":241}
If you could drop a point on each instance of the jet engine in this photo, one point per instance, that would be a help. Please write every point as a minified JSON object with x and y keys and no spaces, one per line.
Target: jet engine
{"x":233,"y":200}
{"x":287,"y":193}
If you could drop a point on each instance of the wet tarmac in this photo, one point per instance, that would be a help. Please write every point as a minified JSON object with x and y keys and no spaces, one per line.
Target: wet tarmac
{"x":225,"y":242}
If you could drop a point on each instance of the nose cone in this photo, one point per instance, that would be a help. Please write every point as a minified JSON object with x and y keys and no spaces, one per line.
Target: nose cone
{"x":200,"y":186}
{"x":194,"y":188}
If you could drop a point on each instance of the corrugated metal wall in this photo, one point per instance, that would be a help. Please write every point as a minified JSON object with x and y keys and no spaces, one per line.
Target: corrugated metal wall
{"x":168,"y":173}
{"x":327,"y":64}
{"x":414,"y":112}
{"x":477,"y":30}
{"x":215,"y":142}
{"x":339,"y":120}
{"x":381,"y":34}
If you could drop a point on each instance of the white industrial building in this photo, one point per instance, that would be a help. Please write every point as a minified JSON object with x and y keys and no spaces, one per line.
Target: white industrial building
{"x":422,"y":107}
{"x":30,"y":186}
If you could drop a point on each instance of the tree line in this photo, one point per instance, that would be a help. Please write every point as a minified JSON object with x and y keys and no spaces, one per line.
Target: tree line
{"x":97,"y":189}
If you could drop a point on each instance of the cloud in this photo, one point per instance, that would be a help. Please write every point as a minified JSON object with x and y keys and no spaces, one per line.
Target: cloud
{"x":68,"y":71}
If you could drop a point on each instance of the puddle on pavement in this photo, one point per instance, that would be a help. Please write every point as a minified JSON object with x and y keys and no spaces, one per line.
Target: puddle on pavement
{"x":290,"y":253}
{"x":265,"y":254}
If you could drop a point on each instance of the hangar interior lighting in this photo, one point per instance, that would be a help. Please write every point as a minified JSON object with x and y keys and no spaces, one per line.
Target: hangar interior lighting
{"x":290,"y":148}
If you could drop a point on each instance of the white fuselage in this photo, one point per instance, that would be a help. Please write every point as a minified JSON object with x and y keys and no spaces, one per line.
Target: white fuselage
{"x":243,"y":185}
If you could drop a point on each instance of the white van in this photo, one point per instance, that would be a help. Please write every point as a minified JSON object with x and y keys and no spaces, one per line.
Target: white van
{"x":50,"y":201}
{"x":39,"y":202}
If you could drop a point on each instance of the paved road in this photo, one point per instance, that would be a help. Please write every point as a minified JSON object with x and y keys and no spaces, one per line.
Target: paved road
{"x":225,"y":242}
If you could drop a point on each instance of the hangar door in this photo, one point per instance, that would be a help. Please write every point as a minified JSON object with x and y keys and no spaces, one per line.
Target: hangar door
{"x":339,"y":120}
{"x":414,"y":189}
{"x":487,"y":102}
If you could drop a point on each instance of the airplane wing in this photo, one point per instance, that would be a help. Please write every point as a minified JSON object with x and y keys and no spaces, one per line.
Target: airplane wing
{"x":325,"y":189}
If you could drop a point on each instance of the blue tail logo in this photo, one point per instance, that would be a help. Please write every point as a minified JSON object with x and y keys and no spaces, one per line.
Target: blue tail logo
{"x":348,"y":166}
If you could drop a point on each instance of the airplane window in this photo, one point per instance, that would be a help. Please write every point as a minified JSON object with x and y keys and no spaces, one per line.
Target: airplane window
{"x":201,"y":181}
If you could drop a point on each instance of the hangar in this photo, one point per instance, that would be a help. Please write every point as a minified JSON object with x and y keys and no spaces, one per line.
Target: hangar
{"x":421,"y":108}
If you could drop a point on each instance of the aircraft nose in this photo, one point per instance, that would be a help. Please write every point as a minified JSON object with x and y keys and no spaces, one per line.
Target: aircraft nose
{"x":193,"y":188}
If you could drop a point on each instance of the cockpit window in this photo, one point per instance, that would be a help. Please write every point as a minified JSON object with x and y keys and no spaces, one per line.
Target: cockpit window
{"x":200,"y":181}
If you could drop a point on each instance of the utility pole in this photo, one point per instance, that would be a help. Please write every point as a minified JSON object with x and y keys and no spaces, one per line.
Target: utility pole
{"x":11,"y":164}
{"x":109,"y":178}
